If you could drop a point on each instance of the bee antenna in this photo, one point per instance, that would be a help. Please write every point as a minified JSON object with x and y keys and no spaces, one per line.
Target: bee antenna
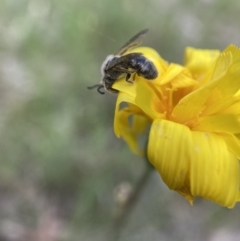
{"x":99,"y":90}
{"x":98,"y":86}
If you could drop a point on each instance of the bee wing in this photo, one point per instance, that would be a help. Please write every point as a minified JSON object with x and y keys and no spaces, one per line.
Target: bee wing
{"x":133,"y":42}
{"x":122,"y":61}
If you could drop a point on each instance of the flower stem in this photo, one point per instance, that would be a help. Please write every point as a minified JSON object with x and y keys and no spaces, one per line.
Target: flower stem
{"x":123,"y":214}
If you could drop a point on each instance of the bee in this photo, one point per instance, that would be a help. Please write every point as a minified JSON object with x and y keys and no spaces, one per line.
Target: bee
{"x":115,"y":66}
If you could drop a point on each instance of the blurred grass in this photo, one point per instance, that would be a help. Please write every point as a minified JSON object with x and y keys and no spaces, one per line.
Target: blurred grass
{"x":60,"y":160}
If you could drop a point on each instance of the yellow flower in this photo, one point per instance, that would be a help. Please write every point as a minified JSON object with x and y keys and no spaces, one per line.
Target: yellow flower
{"x":194,"y":116}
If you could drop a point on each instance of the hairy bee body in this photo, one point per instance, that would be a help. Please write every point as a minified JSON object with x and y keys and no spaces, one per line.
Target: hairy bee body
{"x":143,"y":67}
{"x":116,"y":66}
{"x":134,"y":63}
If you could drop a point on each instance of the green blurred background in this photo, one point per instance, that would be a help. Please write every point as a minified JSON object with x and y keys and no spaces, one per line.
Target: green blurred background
{"x":60,"y":160}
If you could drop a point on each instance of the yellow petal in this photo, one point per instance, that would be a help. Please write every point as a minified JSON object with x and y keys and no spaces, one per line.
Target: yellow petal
{"x":218,"y":123}
{"x":216,"y":105}
{"x":118,"y":121}
{"x":150,"y":107}
{"x":233,"y":143}
{"x":148,"y":99}
{"x":193,"y":104}
{"x":124,"y":87}
{"x":215,"y":172}
{"x":225,"y":92}
{"x":234,"y":50}
{"x":194,"y":163}
{"x":177,"y":75}
{"x":232,"y":108}
{"x":169,"y":151}
{"x":130,"y":130}
{"x":141,"y":94}
{"x":198,"y":61}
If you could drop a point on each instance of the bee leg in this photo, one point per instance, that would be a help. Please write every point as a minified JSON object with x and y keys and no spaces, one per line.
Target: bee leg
{"x":134,"y":76}
{"x":128,"y":78}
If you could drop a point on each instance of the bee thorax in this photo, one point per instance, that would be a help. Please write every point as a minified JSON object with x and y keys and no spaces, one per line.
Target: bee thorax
{"x":106,"y":61}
